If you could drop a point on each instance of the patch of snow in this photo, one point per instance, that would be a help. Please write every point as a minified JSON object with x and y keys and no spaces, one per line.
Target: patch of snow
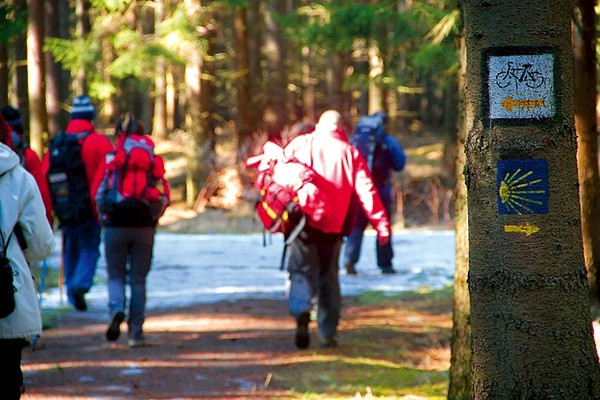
{"x":191,"y":268}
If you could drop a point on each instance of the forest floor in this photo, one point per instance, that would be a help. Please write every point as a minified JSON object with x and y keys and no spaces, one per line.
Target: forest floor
{"x":392,"y":348}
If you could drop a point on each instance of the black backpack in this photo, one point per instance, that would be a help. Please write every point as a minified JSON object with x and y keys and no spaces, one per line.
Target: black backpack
{"x":67,"y":180}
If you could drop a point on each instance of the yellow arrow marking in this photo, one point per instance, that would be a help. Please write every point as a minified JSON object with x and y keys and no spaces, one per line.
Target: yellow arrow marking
{"x":528,"y":229}
{"x":509,"y":103}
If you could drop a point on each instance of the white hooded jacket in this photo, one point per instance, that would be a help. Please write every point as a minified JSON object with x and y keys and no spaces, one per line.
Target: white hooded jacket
{"x":21,"y":202}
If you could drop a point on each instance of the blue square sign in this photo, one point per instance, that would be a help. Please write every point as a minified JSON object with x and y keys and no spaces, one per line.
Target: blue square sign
{"x":522,"y":186}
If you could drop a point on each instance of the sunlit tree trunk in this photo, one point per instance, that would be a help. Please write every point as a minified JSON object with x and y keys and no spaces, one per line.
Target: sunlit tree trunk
{"x":531,"y":326}
{"x":36,"y":76}
{"x":171,"y":99}
{"x":308,"y":87}
{"x":195,"y":119}
{"x":460,"y":359}
{"x":584,"y":40}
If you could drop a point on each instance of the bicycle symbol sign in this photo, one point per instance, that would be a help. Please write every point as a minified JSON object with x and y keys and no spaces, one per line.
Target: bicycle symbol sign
{"x":521,"y":86}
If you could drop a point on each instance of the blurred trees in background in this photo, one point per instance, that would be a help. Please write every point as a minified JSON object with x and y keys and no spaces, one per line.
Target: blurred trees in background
{"x":204,"y":67}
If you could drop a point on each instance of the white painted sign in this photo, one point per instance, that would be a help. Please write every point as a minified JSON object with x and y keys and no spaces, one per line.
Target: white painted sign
{"x":521,"y":86}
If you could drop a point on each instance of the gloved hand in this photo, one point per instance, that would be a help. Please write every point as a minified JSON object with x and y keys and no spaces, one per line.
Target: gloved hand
{"x":383,"y":240}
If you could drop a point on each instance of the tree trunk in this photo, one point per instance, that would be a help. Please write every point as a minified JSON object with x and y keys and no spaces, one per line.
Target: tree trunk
{"x":159,"y":126}
{"x":3,"y":74}
{"x":275,"y":116}
{"x":460,"y":359}
{"x":56,"y":118}
{"x":195,"y":121}
{"x":171,"y":99}
{"x":530,"y":317}
{"x":585,"y":123}
{"x":20,"y":76}
{"x":308,"y":88}
{"x":242,"y":66}
{"x":336,"y":77}
{"x":36,"y":74}
{"x":83,"y":27}
{"x":376,"y":93}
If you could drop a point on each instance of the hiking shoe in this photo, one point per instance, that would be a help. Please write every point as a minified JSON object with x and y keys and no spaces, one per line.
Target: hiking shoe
{"x":328,"y":343}
{"x":302,"y":334}
{"x":388,"y":270}
{"x":79,"y":302}
{"x":140,"y":342}
{"x":114,"y":328}
{"x":350,"y":270}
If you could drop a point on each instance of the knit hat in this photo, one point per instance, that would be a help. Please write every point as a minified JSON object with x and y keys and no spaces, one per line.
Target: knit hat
{"x":83,"y":108}
{"x":12,"y":116}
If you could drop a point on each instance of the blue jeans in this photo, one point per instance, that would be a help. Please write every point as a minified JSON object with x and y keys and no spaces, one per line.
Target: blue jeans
{"x":120,"y":245}
{"x":81,"y":246}
{"x":353,"y":243}
{"x":313,"y":273}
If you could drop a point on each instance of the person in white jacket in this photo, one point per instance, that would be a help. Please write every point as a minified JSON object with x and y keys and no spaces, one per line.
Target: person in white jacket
{"x":20,"y":203}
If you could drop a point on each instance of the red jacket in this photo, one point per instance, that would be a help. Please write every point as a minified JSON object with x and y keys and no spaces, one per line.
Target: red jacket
{"x":345,"y":169}
{"x":93,"y":151}
{"x":33,"y":165}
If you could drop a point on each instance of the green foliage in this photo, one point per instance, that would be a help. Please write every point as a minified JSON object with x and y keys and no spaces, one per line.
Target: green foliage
{"x":111,"y":5}
{"x":13,"y":21}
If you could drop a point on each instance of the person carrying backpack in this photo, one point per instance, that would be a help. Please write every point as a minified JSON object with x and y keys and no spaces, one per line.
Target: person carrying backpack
{"x":27,"y":157}
{"x":313,"y":255}
{"x":384,"y":155}
{"x":131,"y":195}
{"x":21,"y":210}
{"x":70,"y":165}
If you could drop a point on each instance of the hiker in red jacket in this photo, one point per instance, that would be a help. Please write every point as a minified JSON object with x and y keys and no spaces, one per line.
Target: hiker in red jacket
{"x":132,"y":194}
{"x":27,"y":157}
{"x":313,"y":255}
{"x":81,"y":238}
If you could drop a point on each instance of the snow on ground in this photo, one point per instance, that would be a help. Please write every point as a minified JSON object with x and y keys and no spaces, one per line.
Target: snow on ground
{"x":189,"y":269}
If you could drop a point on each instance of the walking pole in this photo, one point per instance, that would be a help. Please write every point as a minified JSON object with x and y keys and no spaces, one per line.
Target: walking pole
{"x":61,"y":271}
{"x":42,"y":281}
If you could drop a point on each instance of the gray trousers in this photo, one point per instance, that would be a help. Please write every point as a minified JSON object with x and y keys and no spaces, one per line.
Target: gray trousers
{"x":313,"y":274}
{"x":133,"y":244}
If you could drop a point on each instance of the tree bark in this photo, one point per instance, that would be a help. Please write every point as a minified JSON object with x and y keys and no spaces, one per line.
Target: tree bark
{"x":195,"y":120}
{"x":159,"y":125}
{"x":3,"y":74}
{"x":20,"y":76}
{"x":56,"y":118}
{"x":275,"y":116}
{"x":243,"y":83}
{"x":459,"y":387}
{"x":584,"y":41}
{"x":83,"y":27}
{"x":530,"y":316}
{"x":36,"y":74}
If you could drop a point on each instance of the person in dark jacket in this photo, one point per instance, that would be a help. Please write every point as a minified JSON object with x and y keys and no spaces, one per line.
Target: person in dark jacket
{"x":129,"y":229}
{"x":81,"y":240}
{"x":388,"y":156}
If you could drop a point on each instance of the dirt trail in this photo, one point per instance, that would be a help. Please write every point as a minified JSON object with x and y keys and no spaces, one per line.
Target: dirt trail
{"x":231,"y":350}
{"x":220,"y":351}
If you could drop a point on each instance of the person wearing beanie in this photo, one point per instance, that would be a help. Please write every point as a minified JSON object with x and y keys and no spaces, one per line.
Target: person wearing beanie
{"x":27,"y":157}
{"x":83,"y":108}
{"x":81,"y":240}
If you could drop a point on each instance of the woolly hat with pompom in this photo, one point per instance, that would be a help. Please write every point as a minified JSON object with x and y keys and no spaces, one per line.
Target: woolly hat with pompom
{"x":83,"y":108}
